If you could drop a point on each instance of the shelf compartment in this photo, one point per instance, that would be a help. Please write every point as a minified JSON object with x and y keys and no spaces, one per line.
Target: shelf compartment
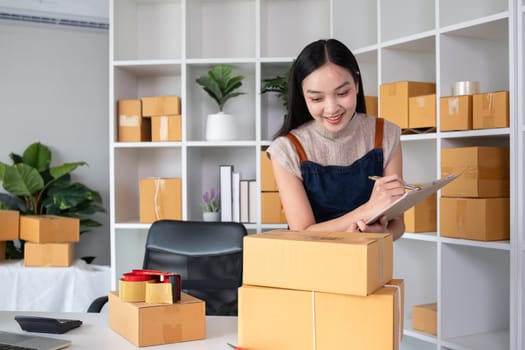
{"x":416,"y":17}
{"x":355,"y":22}
{"x":421,"y":278}
{"x":413,"y":337}
{"x":368,"y":66}
{"x":203,"y":171}
{"x":413,"y":60}
{"x":484,"y":341}
{"x":223,"y":29}
{"x":288,"y":25}
{"x":147,"y":29}
{"x":419,"y":164}
{"x":474,"y":293}
{"x":272,"y":107}
{"x":478,"y":53}
{"x":450,"y":14}
{"x":131,"y":165}
{"x":200,"y":104}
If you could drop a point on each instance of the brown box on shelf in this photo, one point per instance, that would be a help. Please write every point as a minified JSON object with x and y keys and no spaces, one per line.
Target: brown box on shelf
{"x":393,"y":99}
{"x":424,"y":318}
{"x":132,"y":126}
{"x":371,"y":103}
{"x":422,"y":111}
{"x":299,"y":320}
{"x":160,"y":105}
{"x":49,"y":254}
{"x":455,"y":113}
{"x":364,"y":259}
{"x":422,"y":217}
{"x":267,"y":179}
{"x":160,"y":198}
{"x":166,"y":128}
{"x":2,"y":250}
{"x":491,"y":110}
{"x":482,"y":219}
{"x":146,"y":324}
{"x":49,"y":229}
{"x":272,"y":209}
{"x":9,"y":225}
{"x":484,"y":171}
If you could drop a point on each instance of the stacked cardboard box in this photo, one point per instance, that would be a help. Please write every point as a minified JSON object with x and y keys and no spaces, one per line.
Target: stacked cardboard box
{"x":423,"y":216}
{"x":319,"y":290}
{"x":271,"y":208}
{"x":160,"y":198}
{"x":9,"y":228}
{"x":476,"y":205}
{"x":49,"y":239}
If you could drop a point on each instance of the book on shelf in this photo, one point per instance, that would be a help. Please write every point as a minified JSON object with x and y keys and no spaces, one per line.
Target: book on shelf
{"x":244,"y":201}
{"x":236,"y":212}
{"x":225,"y":180}
{"x":252,"y":206}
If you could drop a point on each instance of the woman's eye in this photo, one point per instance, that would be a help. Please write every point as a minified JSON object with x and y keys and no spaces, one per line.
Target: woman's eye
{"x":315,"y":99}
{"x":344,"y":93}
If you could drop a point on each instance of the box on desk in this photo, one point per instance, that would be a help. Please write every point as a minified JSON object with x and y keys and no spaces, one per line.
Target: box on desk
{"x":9,"y":225}
{"x":424,"y":318}
{"x":346,"y":263}
{"x":484,"y":219}
{"x":287,"y":319}
{"x":49,"y":254}
{"x":484,"y":171}
{"x":146,"y":324}
{"x":160,"y":198}
{"x":49,"y":229}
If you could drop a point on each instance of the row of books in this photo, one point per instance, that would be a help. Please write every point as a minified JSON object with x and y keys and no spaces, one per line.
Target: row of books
{"x":238,"y":196}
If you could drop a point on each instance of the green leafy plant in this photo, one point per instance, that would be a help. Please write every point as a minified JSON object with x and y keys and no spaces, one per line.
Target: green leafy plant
{"x":211,"y":201}
{"x":220,"y":84}
{"x":35,"y":187}
{"x":277,"y":85}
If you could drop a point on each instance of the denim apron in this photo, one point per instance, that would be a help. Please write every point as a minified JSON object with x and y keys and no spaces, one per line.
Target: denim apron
{"x":335,"y":190}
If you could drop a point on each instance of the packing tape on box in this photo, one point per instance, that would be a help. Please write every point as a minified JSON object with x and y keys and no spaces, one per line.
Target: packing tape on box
{"x":158,"y":293}
{"x":164,"y":128}
{"x":132,"y":291}
{"x":487,"y":102}
{"x":453,"y":105}
{"x":150,"y":286}
{"x":467,"y":87}
{"x":156,"y":205}
{"x":129,"y":120}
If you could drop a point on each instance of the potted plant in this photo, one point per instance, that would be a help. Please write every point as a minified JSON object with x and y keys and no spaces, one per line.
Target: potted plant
{"x":279,"y":86}
{"x":211,"y":205}
{"x":33,"y":186}
{"x":221,"y":85}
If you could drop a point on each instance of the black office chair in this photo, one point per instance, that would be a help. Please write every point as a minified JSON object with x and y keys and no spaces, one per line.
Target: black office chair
{"x":207,"y":255}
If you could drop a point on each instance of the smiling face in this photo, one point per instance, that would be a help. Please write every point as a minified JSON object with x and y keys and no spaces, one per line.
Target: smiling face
{"x":331,"y":94}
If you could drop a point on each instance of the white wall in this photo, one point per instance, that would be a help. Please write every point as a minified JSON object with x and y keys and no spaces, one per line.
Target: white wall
{"x":54,"y":89}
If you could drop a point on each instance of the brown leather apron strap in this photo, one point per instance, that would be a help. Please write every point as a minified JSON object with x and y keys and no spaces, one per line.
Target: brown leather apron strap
{"x":298,"y":146}
{"x":379,"y":133}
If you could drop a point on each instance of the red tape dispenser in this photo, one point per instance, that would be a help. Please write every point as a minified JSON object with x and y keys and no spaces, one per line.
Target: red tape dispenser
{"x":150,"y":286}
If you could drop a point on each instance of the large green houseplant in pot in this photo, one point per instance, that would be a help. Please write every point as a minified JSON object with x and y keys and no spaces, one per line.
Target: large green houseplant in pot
{"x":221,"y":85}
{"x":35,"y":187}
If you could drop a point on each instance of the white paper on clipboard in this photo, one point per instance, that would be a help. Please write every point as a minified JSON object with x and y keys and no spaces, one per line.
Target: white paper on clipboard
{"x":411,"y":198}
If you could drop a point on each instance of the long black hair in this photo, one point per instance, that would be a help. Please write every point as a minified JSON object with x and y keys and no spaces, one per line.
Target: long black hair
{"x":313,"y":56}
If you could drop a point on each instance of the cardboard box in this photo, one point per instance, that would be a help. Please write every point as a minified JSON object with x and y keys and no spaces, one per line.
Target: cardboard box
{"x":160,"y":105}
{"x":49,"y":229}
{"x":484,"y":171}
{"x":393,"y":99}
{"x":49,"y":254}
{"x":160,"y":198}
{"x":271,"y":209}
{"x":371,"y":103}
{"x":455,"y":113}
{"x":491,"y":110}
{"x":285,"y":319}
{"x":345,"y":263}
{"x":2,"y":250}
{"x":422,"y":111}
{"x":267,"y":179}
{"x":9,"y":225}
{"x":483,"y":219}
{"x":132,"y":126}
{"x":423,"y":216}
{"x":424,"y":318}
{"x":166,"y":128}
{"x":146,"y":324}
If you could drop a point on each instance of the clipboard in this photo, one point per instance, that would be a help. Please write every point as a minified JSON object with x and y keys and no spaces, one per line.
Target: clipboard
{"x":411,"y":198}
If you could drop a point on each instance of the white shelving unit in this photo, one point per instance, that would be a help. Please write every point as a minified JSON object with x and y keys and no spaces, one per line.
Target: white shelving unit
{"x":159,"y":47}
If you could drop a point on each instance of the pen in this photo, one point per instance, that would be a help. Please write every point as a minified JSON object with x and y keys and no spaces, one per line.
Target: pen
{"x":407,"y":187}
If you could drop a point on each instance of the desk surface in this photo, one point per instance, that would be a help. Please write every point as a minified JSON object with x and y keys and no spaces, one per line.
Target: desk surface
{"x":95,"y":333}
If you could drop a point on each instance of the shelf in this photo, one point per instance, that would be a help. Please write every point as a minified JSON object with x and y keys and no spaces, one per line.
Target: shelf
{"x":489,"y":27}
{"x":484,"y":341}
{"x":476,"y":133}
{"x":410,"y":332}
{"x":423,"y":236}
{"x":147,"y":144}
{"x":501,"y":245}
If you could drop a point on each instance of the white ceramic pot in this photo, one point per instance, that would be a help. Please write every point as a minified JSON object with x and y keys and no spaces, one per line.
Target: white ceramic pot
{"x":211,"y":216}
{"x":220,"y":127}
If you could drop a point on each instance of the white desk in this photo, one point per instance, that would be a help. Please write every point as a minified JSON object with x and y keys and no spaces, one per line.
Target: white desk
{"x":95,"y":333}
{"x":52,"y":289}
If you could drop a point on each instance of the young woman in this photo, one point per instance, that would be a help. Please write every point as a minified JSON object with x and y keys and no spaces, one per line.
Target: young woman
{"x":328,"y":147}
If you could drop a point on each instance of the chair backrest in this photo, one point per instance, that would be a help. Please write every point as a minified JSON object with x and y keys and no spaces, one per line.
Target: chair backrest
{"x":207,"y":255}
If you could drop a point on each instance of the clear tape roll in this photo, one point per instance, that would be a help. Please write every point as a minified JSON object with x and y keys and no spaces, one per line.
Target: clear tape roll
{"x":467,"y":87}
